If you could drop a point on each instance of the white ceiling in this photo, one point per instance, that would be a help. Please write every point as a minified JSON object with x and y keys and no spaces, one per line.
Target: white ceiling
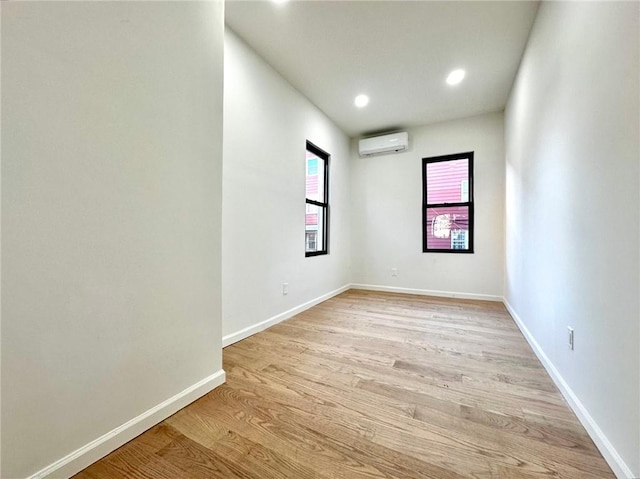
{"x":397,"y":52}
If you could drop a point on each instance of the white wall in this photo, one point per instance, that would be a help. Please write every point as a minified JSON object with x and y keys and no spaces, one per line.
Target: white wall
{"x":111,"y":216}
{"x":386,"y":197}
{"x":266,"y":125}
{"x":572,"y":244}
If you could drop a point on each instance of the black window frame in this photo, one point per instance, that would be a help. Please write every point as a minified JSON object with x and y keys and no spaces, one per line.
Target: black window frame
{"x":470,"y":203}
{"x":320,"y":153}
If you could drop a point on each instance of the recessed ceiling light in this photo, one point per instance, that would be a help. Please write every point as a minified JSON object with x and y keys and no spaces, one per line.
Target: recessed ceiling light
{"x":455,"y":77}
{"x":361,"y":101}
{"x":279,"y":1}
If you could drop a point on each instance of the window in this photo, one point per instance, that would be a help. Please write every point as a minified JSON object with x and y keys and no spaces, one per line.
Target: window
{"x":311,"y":238}
{"x":447,"y":204}
{"x":316,"y":225}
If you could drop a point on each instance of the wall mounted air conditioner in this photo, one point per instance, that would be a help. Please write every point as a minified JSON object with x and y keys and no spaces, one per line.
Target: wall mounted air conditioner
{"x":381,"y":145}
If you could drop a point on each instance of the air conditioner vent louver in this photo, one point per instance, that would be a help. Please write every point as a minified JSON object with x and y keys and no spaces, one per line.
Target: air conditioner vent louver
{"x":385,"y":144}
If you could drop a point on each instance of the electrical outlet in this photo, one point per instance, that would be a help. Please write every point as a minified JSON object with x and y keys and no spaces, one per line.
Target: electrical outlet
{"x":571,"y":344}
{"x":285,"y":289}
{"x":394,"y":271}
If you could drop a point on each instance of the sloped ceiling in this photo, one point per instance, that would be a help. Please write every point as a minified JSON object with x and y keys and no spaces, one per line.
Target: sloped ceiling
{"x":397,"y":52}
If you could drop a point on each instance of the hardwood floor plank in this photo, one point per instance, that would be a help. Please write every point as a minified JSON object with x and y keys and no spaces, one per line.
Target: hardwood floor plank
{"x":200,"y":462}
{"x":265,"y":425}
{"x":196,"y":427}
{"x":340,"y":446}
{"x":460,"y":442}
{"x":373,"y":385}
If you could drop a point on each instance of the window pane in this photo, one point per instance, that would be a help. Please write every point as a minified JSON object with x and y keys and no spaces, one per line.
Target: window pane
{"x":448,"y":228}
{"x":314,"y":228}
{"x":315,"y":178}
{"x":448,"y":181}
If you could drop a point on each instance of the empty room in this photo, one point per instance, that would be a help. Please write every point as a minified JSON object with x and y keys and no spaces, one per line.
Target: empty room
{"x":320,"y":239}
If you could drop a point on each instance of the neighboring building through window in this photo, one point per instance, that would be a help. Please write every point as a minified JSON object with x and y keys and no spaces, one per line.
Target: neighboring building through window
{"x":316,"y":224}
{"x":447,"y":204}
{"x":311,"y":238}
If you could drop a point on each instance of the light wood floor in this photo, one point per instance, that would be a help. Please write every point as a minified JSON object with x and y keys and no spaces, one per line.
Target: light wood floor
{"x":373,"y":385}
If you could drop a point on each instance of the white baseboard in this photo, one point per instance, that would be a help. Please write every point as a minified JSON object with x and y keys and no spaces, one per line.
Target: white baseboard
{"x":620,"y":468}
{"x":426,"y":292}
{"x":97,"y":449}
{"x":261,"y":326}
